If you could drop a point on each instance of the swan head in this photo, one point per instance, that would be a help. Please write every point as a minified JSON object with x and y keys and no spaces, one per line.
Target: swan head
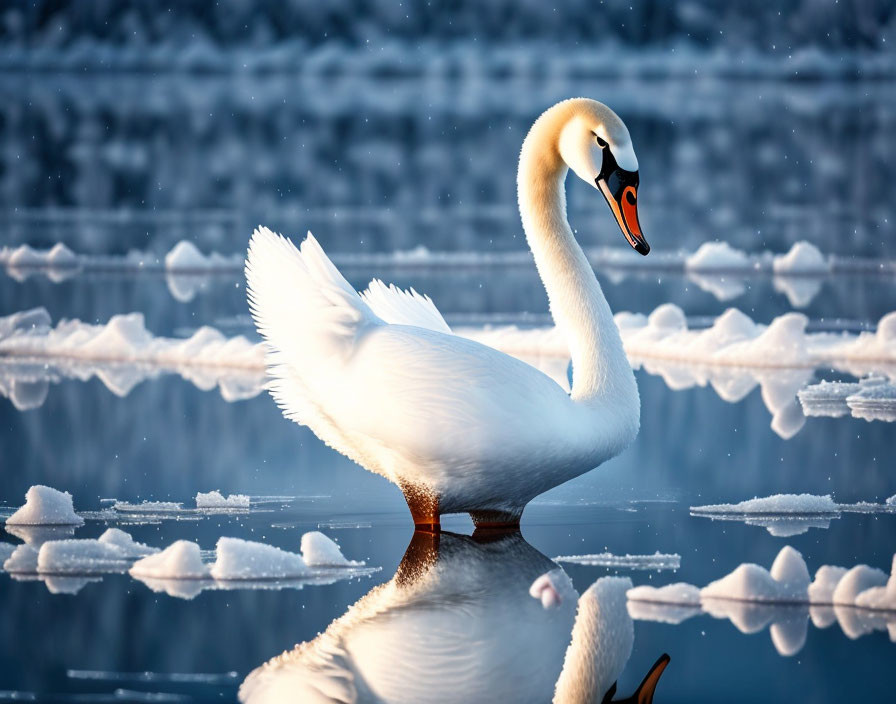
{"x":596,"y":145}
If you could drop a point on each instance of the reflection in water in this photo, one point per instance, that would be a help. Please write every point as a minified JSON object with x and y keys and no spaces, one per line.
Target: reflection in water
{"x":457,"y":623}
{"x":788,"y":624}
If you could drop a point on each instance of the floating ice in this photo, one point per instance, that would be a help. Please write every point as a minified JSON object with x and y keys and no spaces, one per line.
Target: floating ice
{"x":882,"y":597}
{"x":82,"y":556}
{"x":776,"y":504}
{"x":126,"y":544}
{"x":803,"y":258}
{"x":821,"y":590}
{"x":679,"y":593}
{"x":185,"y":256}
{"x":891,"y":501}
{"x":657,"y":561}
{"x":214,"y":499}
{"x":180,"y":560}
{"x":148,"y":507}
{"x":717,"y":256}
{"x":785,"y":515}
{"x":45,"y":506}
{"x":857,"y":580}
{"x":22,"y":560}
{"x":320,"y":551}
{"x":788,"y":581}
{"x":244,"y":559}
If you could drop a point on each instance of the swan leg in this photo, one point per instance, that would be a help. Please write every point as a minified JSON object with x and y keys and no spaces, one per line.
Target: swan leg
{"x":424,"y":507}
{"x":501,"y":520}
{"x":421,"y":555}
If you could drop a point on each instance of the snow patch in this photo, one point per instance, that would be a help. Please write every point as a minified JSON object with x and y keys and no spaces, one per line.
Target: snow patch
{"x":320,"y":551}
{"x":79,"y":556}
{"x":180,"y":560}
{"x":776,"y":504}
{"x":245,"y":559}
{"x":803,"y":258}
{"x":679,"y":593}
{"x":46,"y":506}
{"x":126,"y":544}
{"x":717,"y":256}
{"x":656,"y":561}
{"x":215,"y":499}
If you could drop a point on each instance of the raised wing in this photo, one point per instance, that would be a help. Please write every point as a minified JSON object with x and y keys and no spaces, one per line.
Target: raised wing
{"x":400,"y":307}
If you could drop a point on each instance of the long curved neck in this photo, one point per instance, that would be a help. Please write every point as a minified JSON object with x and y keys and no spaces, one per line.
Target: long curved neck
{"x":578,"y":306}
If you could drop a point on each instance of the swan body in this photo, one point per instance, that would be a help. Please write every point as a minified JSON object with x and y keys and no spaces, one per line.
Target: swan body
{"x":460,"y":426}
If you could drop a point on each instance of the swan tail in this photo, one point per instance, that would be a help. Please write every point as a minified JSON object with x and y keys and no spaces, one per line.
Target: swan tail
{"x":399,"y":307}
{"x":305,"y":310}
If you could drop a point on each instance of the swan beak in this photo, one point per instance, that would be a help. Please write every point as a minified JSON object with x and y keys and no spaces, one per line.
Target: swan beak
{"x":620,"y":189}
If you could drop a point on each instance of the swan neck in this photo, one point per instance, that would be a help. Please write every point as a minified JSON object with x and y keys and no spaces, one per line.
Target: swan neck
{"x":578,"y":306}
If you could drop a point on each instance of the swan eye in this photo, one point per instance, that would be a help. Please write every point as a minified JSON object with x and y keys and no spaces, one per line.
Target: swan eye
{"x":600,"y":142}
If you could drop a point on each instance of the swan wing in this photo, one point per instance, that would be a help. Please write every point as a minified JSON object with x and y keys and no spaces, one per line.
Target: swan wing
{"x":307,"y":313}
{"x":399,"y":307}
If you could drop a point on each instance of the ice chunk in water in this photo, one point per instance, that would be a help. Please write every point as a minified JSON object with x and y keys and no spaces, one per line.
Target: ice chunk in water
{"x":180,"y":560}
{"x":215,"y":499}
{"x":883,"y":597}
{"x":821,"y":591}
{"x":748,"y":582}
{"x":126,"y":544}
{"x":856,"y":581}
{"x":244,"y":559}
{"x":321,"y":551}
{"x":80,"y":557}
{"x":803,"y":258}
{"x":776,"y":504}
{"x":680,"y":593}
{"x":46,"y":506}
{"x":714,"y":256}
{"x":22,"y":560}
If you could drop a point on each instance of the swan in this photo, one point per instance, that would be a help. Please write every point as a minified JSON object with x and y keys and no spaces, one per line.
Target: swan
{"x":457,"y":623}
{"x":461,"y":427}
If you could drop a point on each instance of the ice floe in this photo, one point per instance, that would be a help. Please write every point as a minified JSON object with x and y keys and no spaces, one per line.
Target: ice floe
{"x":126,"y":544}
{"x":862,"y":599}
{"x":787,"y":582}
{"x":245,"y":559}
{"x":872,"y":398}
{"x":656,"y":561}
{"x":320,"y":551}
{"x":180,"y":560}
{"x":80,"y":556}
{"x":733,"y":356}
{"x":715,"y":266}
{"x":786,"y":515}
{"x":215,"y":499}
{"x":45,"y":506}
{"x":803,"y":258}
{"x":148,"y":507}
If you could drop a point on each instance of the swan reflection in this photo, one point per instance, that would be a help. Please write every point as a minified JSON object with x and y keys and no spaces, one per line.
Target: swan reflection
{"x":457,"y":623}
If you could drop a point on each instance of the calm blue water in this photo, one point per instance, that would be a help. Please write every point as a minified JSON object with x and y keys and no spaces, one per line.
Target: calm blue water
{"x":107,"y":162}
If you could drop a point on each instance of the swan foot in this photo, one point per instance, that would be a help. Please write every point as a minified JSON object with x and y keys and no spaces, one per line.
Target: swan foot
{"x":424,"y":506}
{"x":497,"y":520}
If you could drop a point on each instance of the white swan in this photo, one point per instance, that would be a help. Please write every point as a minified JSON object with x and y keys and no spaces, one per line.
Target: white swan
{"x":459,"y":426}
{"x":457,"y":624}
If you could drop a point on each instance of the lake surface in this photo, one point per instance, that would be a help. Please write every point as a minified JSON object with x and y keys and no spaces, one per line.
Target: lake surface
{"x":112,"y":163}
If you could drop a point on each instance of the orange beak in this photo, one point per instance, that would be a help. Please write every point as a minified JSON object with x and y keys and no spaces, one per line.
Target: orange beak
{"x":620,"y":188}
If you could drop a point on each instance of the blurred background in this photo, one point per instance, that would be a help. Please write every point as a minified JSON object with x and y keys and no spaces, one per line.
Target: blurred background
{"x":381,"y":126}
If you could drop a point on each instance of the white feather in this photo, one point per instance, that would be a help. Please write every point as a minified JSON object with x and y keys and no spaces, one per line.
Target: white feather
{"x":400,"y":307}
